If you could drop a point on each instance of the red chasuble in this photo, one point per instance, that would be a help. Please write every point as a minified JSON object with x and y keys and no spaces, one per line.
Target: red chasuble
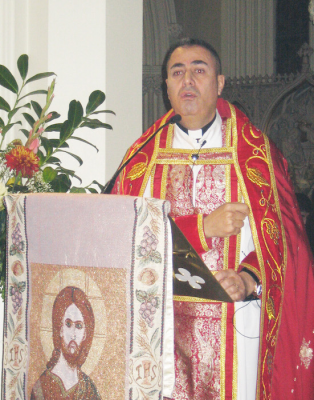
{"x":250,"y":166}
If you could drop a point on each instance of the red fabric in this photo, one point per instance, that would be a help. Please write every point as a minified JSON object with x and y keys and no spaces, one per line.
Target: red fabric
{"x":188,"y":225}
{"x":286,"y":365}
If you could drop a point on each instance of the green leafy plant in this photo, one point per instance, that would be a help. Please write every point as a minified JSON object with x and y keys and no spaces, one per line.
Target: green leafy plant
{"x":35,"y":166}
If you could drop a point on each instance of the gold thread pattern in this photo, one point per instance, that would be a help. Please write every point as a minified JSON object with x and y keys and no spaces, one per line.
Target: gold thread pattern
{"x":253,"y":227}
{"x":200,"y":227}
{"x":253,"y":269}
{"x":138,"y":169}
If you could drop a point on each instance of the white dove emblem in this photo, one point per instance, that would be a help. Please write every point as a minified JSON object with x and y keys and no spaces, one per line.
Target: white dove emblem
{"x":186,"y":276}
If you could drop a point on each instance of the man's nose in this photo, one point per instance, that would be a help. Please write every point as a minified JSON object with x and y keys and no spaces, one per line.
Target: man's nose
{"x":188,"y":79}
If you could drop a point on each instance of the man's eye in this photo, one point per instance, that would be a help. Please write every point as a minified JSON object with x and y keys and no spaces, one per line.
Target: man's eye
{"x":79,"y":325}
{"x":176,"y":73}
{"x":199,"y":71}
{"x":68,"y":323}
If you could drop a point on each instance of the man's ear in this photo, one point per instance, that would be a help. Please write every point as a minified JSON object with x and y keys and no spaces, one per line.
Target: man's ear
{"x":221,"y":83}
{"x":167,"y":88}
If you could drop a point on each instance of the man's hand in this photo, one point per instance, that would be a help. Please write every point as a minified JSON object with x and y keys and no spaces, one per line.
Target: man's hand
{"x":238,"y":286}
{"x":226,"y":220}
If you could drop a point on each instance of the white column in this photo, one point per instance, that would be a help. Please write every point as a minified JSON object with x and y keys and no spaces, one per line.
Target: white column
{"x":247,"y":37}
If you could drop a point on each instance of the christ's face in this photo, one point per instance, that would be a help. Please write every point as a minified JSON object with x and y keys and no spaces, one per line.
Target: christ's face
{"x":73,"y":333}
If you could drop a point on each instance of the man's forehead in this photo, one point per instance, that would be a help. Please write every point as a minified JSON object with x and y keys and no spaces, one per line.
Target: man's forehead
{"x":73,"y":313}
{"x":190,"y":54}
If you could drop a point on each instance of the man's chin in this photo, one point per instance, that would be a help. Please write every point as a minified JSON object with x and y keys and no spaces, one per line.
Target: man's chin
{"x":71,"y":354}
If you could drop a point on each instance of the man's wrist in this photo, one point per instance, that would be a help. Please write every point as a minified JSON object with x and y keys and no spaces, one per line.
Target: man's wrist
{"x":257,"y":291}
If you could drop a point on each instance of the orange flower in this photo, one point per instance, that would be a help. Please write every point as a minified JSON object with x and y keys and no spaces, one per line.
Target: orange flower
{"x":22,"y":159}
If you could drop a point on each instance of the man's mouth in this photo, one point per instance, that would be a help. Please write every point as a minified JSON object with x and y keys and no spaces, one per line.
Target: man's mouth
{"x":72,"y":347}
{"x":188,"y":95}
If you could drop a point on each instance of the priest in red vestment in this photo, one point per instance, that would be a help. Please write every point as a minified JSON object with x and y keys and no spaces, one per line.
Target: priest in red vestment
{"x":231,"y":195}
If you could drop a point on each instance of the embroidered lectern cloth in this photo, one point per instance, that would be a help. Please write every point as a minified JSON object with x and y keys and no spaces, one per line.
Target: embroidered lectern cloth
{"x":85,"y":297}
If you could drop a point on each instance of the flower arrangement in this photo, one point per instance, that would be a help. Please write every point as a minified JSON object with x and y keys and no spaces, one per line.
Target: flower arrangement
{"x":34,"y":166}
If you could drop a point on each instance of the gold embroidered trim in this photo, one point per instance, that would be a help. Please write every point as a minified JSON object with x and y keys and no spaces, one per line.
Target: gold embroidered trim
{"x":200,"y":227}
{"x":164,"y":182}
{"x":252,"y":224}
{"x":170,"y":150}
{"x":306,"y":353}
{"x":197,"y":162}
{"x":235,"y":363}
{"x":223,"y":351}
{"x":155,"y":153}
{"x":165,"y":169}
{"x":253,"y":269}
{"x":194,"y":299}
{"x":152,"y":179}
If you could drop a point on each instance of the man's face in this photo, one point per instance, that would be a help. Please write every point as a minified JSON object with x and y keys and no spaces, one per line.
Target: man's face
{"x":73,"y":333}
{"x":193,"y":85}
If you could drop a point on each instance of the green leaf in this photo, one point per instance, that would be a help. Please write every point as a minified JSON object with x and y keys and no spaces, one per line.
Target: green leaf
{"x":94,"y":124}
{"x":1,"y":123}
{"x":66,"y":171}
{"x":103,"y":112}
{"x":37,"y":108}
{"x":56,"y":143}
{"x":22,"y":64}
{"x":53,"y":160}
{"x":47,"y":145}
{"x":98,"y":184}
{"x":54,"y":115}
{"x":53,"y":128}
{"x":39,"y":76}
{"x":75,"y":189}
{"x":84,"y":141}
{"x":4,"y":105}
{"x":92,"y":190}
{"x":65,"y":130}
{"x":25,"y":132}
{"x":95,"y":99}
{"x":49,"y":174}
{"x":32,"y":93}
{"x":80,"y":161}
{"x":29,"y":119}
{"x":14,"y":111}
{"x":7,"y":80}
{"x":9,"y":126}
{"x":75,"y":114}
{"x":41,"y":157}
{"x":61,"y":184}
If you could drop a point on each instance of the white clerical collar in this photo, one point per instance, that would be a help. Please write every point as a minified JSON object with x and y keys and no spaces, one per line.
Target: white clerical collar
{"x":206,"y":138}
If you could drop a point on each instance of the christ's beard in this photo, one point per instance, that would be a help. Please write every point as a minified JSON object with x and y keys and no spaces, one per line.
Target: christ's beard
{"x":71,"y":352}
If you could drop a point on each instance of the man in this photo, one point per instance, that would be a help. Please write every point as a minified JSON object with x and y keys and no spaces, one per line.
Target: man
{"x":73,"y":329}
{"x":230,"y":195}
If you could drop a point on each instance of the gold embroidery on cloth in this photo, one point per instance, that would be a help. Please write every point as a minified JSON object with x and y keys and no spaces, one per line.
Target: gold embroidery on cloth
{"x":155,"y":153}
{"x":253,"y":269}
{"x":270,"y":308}
{"x":272,"y":230}
{"x":306,"y":353}
{"x":252,"y":224}
{"x":138,"y":169}
{"x":200,"y":228}
{"x":256,"y":176}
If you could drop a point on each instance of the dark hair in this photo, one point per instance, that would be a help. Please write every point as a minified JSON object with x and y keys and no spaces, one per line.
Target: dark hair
{"x":189,"y":42}
{"x":67,"y":296}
